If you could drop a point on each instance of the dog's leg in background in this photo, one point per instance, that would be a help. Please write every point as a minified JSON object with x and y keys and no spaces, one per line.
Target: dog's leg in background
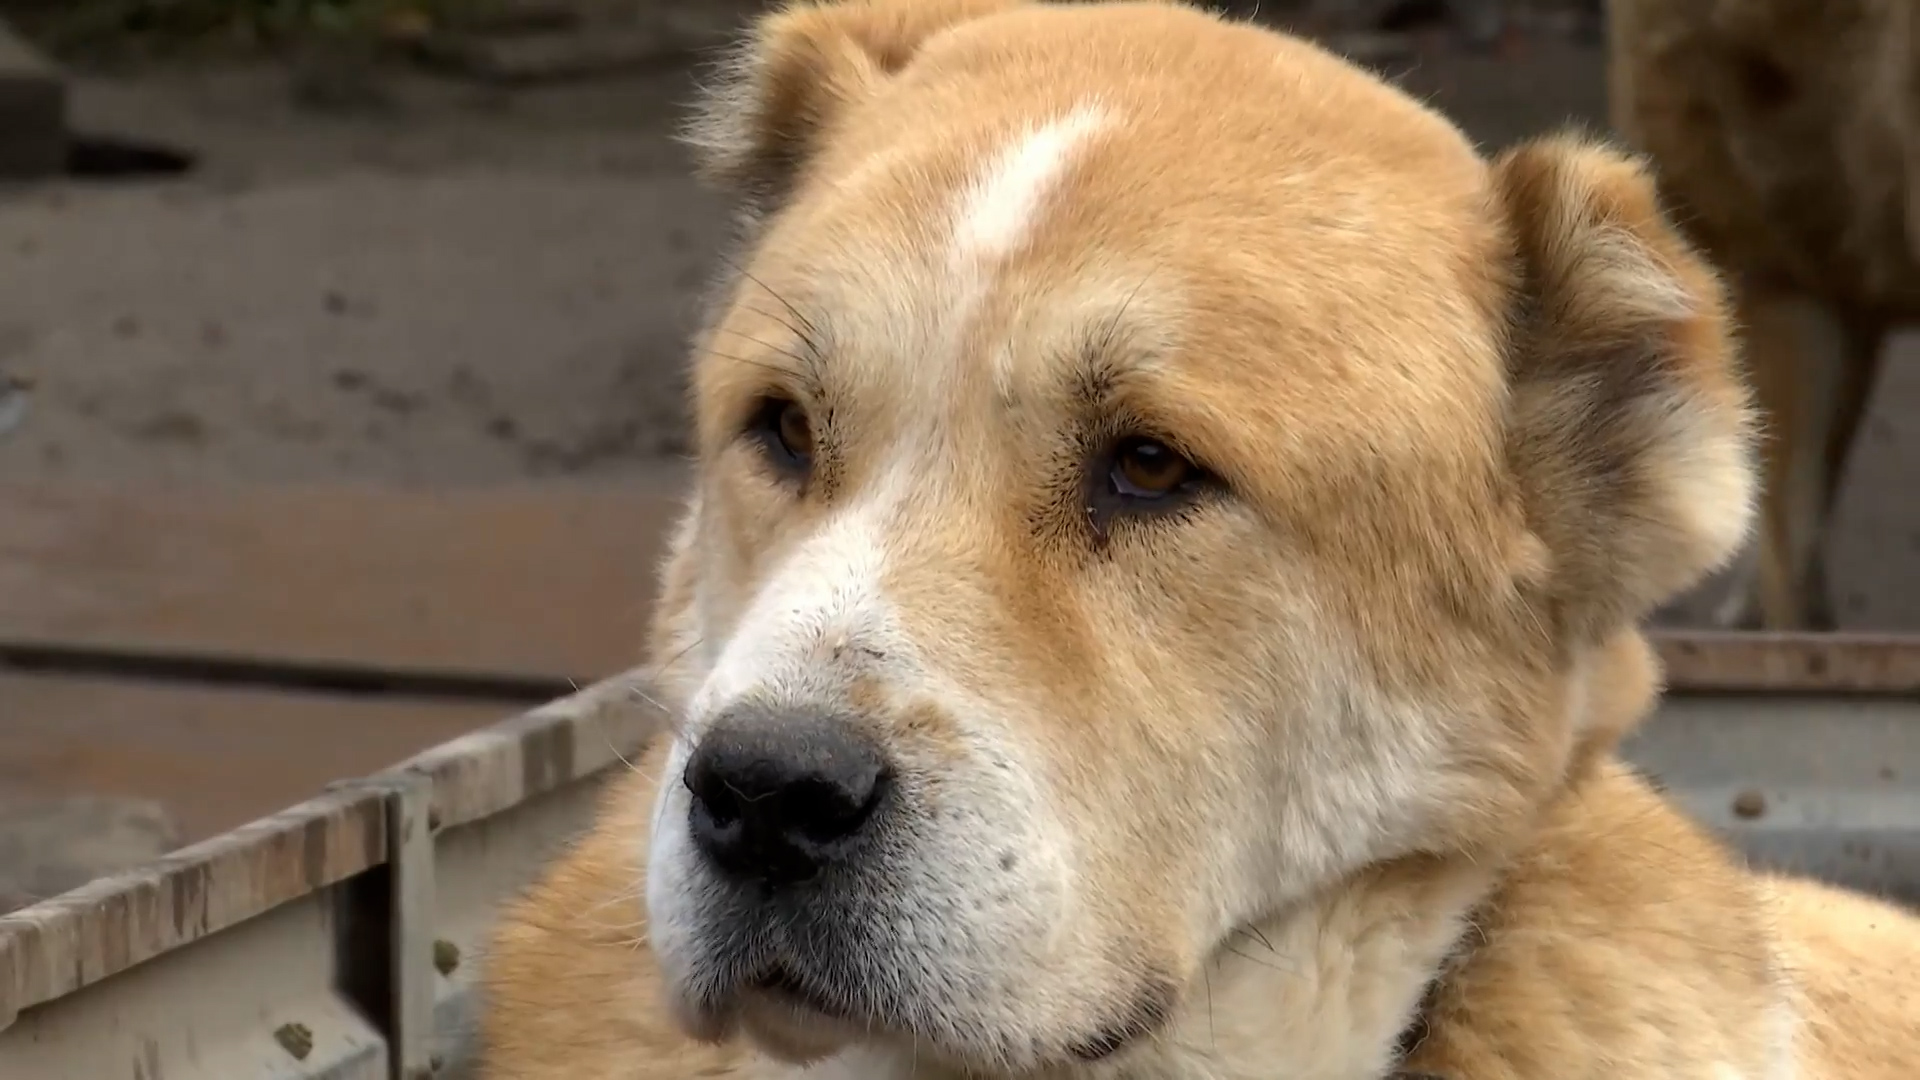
{"x":1812,"y":365}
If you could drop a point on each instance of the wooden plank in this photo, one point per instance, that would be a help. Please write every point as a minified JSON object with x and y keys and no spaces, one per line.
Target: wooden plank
{"x":112,"y":925}
{"x":199,"y":891}
{"x":1789,"y":662}
{"x":548,"y":581}
{"x":536,"y":753}
{"x":215,"y":759}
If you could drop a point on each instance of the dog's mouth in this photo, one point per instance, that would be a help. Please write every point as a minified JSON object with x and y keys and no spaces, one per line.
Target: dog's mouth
{"x":790,"y":998}
{"x":785,"y":986}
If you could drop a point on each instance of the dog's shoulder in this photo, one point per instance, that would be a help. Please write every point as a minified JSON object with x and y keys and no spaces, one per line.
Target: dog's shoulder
{"x":1627,"y":937}
{"x":1851,"y":961}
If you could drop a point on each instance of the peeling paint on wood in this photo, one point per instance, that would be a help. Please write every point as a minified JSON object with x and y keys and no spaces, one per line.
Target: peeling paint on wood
{"x":79,"y":938}
{"x":498,"y":767}
{"x":64,"y":944}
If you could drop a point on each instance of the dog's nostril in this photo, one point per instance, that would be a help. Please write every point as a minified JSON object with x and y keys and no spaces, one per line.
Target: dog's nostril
{"x":713,"y":791}
{"x":777,"y":797}
{"x":719,"y":804}
{"x":827,"y":811}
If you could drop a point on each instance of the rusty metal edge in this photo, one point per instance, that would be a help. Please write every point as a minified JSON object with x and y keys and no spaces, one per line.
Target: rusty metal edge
{"x":1706,"y":661}
{"x":71,"y":941}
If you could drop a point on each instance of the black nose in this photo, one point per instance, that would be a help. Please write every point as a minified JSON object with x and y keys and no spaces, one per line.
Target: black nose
{"x":778,"y":797}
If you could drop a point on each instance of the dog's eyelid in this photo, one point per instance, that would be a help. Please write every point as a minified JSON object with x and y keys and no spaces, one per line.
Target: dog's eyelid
{"x":1122,"y":409}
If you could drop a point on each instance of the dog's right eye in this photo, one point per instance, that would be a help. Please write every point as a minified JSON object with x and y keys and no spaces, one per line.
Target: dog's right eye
{"x":1148,"y":469}
{"x":782,"y":426}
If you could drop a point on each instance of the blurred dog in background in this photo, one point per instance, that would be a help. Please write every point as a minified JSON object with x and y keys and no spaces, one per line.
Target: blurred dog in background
{"x":1785,"y":137}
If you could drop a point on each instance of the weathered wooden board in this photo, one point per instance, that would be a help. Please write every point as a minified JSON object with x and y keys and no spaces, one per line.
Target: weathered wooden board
{"x":214,"y":758}
{"x":549,"y":581}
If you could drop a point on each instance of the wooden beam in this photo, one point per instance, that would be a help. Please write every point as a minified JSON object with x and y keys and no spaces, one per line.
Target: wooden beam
{"x":549,"y":582}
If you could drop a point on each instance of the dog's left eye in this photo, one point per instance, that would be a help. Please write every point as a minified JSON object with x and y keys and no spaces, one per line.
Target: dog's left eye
{"x":1149,"y":469}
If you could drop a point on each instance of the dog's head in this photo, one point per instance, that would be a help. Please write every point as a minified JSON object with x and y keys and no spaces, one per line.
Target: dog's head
{"x":1150,"y":470}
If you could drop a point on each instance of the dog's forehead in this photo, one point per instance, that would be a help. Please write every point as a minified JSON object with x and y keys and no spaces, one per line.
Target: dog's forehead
{"x":1186,"y":193}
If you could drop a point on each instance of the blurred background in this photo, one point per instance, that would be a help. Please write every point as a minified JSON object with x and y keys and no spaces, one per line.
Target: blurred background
{"x":341,"y":370}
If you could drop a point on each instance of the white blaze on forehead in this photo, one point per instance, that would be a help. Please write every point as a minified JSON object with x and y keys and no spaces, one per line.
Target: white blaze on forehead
{"x":998,"y":210}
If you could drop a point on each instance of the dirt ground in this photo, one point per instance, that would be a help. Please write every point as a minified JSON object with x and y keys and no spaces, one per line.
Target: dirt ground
{"x":423,"y":282}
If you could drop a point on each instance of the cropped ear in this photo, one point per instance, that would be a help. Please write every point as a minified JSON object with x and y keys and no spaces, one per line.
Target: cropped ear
{"x":1630,"y":425}
{"x":797,"y":71}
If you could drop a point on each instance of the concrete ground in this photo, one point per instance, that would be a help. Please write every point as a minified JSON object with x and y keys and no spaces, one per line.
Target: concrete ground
{"x":429,"y":284}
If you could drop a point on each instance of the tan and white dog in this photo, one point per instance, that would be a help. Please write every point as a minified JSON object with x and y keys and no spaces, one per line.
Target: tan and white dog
{"x":1159,"y":601}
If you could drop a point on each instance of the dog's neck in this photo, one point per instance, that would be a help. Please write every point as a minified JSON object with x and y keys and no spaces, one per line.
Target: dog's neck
{"x":1331,"y":991}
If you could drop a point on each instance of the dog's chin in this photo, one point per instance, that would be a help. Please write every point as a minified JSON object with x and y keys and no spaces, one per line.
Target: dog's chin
{"x":790,"y":1022}
{"x":775,"y":1013}
{"x":794,"y":1030}
{"x":707,"y":1021}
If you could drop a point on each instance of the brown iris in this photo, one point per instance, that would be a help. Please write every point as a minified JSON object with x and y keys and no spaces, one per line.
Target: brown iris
{"x":785,"y":434}
{"x":794,"y":430}
{"x":1147,"y":469}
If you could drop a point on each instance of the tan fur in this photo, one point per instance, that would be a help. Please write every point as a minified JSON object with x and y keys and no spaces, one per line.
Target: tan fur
{"x":1785,"y":134}
{"x":1227,"y":785}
